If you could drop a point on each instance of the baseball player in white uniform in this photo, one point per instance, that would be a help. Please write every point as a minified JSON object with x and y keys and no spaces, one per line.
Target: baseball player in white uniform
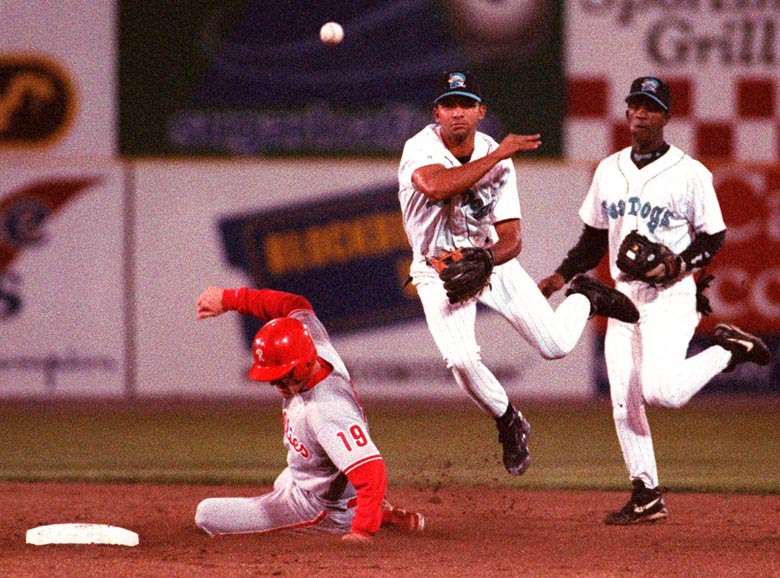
{"x":335,"y":478}
{"x":458,"y":188}
{"x":658,"y":190}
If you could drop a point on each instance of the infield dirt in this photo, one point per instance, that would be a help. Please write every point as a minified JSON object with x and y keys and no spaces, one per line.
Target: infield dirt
{"x":470,"y":532}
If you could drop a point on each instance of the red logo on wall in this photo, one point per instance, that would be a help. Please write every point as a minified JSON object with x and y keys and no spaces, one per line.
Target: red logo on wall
{"x":746,"y":289}
{"x":23,"y":213}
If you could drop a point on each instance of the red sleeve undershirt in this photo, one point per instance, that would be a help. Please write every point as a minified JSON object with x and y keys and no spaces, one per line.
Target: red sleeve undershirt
{"x":370,"y":481}
{"x":265,"y":304}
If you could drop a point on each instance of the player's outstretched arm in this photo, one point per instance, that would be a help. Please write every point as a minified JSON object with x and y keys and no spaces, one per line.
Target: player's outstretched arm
{"x":438,"y":182}
{"x":517,"y":143}
{"x":265,"y":304}
{"x":210,"y":303}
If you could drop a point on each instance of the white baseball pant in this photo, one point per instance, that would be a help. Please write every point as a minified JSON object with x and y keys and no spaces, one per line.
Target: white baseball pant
{"x":514,"y":295}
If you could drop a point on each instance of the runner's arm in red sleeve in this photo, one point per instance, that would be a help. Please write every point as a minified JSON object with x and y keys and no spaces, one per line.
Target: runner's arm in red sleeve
{"x":370,"y":482}
{"x":265,"y":304}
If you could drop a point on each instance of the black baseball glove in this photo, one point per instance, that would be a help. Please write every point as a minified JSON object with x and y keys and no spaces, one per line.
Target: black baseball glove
{"x":645,"y":260}
{"x":464,"y":271}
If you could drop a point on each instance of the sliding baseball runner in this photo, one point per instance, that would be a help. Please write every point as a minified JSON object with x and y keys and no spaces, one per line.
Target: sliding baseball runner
{"x":335,"y":477}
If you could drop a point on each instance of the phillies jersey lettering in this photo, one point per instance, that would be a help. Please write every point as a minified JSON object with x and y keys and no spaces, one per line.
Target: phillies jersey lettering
{"x":291,"y":439}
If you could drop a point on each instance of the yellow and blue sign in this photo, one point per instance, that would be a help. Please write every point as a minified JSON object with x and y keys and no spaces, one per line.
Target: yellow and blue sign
{"x":348,"y":255}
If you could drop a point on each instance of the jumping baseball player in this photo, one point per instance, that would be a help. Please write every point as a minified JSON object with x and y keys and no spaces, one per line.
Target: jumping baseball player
{"x":461,"y":213}
{"x":335,"y":477}
{"x":654,"y":210}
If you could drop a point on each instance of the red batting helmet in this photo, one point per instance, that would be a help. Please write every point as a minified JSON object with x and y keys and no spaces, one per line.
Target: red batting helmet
{"x":282,"y":346}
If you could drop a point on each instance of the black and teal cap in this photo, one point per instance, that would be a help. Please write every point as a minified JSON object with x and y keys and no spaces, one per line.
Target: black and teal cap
{"x":458,"y":83}
{"x":653,"y":88}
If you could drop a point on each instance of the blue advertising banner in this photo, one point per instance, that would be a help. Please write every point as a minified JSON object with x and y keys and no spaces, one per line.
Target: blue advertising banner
{"x":348,"y":255}
{"x":206,"y":77}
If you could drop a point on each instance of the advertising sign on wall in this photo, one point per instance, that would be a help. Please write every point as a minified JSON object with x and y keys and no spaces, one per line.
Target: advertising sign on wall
{"x":62,"y":288}
{"x":57,"y":71}
{"x":349,"y":254}
{"x":746,"y":288}
{"x":720,"y":58}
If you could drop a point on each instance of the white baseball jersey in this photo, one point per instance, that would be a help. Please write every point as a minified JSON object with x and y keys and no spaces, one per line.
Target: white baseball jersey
{"x":669,"y":201}
{"x":460,"y":221}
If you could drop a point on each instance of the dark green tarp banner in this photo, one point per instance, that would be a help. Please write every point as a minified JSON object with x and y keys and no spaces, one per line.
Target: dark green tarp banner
{"x":251,"y":77}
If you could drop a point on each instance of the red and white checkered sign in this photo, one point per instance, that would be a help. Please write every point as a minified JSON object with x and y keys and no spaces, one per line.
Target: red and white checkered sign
{"x":595,"y":126}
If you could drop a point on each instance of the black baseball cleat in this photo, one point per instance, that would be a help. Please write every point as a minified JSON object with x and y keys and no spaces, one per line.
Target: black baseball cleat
{"x":513,"y":436}
{"x":646,"y":506}
{"x":742,"y":345}
{"x":604,"y":300}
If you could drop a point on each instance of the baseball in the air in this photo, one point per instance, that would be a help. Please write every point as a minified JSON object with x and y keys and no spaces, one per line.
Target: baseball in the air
{"x":331,"y":33}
